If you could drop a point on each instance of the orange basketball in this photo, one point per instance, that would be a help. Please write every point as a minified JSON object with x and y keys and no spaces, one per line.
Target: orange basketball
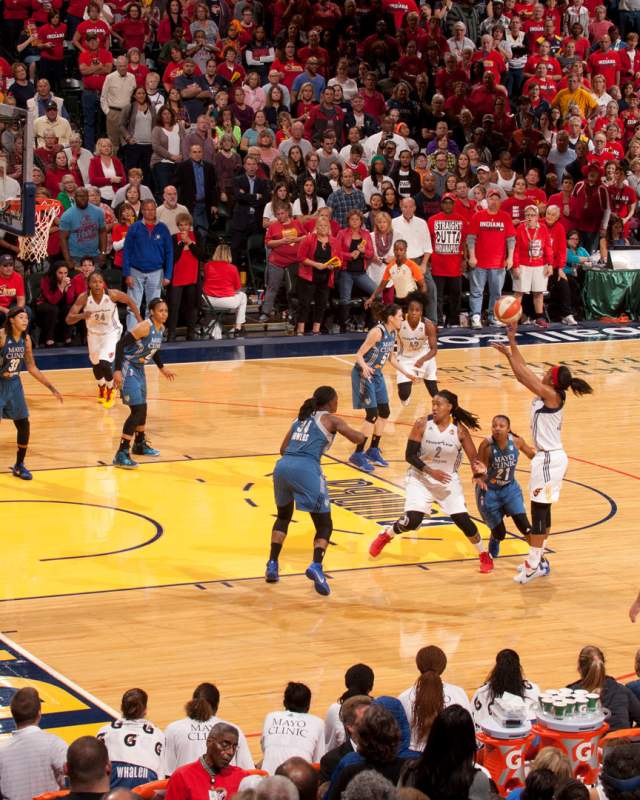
{"x":507,"y":309}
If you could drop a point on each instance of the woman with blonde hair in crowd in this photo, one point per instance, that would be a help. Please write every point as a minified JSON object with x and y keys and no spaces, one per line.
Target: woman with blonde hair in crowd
{"x":554,"y":761}
{"x":280,"y":174}
{"x":619,"y":699}
{"x":223,"y":288}
{"x":106,"y":171}
{"x":382,"y":240}
{"x":255,"y":95}
{"x":316,"y":276}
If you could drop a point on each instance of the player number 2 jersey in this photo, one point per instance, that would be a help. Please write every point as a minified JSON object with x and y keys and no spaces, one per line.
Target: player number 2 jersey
{"x":546,"y":424}
{"x":441,"y":449}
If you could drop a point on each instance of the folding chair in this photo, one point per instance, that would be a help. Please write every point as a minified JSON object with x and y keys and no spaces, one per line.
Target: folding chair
{"x":210,"y":319}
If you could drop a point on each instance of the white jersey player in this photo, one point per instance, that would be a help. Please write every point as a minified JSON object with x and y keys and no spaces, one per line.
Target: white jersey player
{"x":292,"y":732}
{"x":434,"y":453}
{"x":549,"y":464}
{"x":417,"y":348}
{"x":97,"y":307}
{"x":135,"y":745}
{"x":187,"y":738}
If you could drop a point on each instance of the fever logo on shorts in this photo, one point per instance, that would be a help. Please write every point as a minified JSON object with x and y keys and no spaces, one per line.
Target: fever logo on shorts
{"x":67,"y":710}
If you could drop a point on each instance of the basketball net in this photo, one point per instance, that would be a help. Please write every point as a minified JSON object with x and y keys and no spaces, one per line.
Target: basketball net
{"x":34,"y":248}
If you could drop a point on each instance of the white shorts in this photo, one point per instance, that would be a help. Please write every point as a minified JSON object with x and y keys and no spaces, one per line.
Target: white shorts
{"x":530,"y":279}
{"x":422,"y":492}
{"x":102,"y":346}
{"x":427,"y":372}
{"x":548,"y":468}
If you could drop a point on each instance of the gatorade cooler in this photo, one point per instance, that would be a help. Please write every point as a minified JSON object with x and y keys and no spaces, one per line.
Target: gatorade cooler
{"x":504,"y":758}
{"x":581,"y":748}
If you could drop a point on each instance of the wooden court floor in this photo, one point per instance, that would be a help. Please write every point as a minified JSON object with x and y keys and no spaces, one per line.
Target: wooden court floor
{"x":153,"y":578}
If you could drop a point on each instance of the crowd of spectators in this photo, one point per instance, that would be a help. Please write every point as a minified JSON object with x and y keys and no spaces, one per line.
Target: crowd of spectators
{"x":498,"y":140}
{"x":420,"y":744}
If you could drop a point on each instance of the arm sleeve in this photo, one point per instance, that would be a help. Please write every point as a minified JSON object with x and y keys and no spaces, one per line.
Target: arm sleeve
{"x":412,"y":455}
{"x":157,"y":360}
{"x":127,"y":339}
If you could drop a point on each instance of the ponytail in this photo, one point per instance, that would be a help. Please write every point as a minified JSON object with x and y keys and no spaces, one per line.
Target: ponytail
{"x":563,"y":380}
{"x":591,"y":668}
{"x":459,"y":414}
{"x":134,"y":704}
{"x":322,"y":396}
{"x":428,"y":703}
{"x":382,"y":312}
{"x":204,"y":702}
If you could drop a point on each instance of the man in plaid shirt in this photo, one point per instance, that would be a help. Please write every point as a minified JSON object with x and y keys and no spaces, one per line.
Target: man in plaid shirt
{"x":343,"y":200}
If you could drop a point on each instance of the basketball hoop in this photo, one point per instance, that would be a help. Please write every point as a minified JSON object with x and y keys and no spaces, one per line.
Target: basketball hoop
{"x":34,"y":248}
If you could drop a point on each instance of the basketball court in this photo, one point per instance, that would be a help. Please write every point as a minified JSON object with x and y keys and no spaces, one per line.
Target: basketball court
{"x":153,"y":578}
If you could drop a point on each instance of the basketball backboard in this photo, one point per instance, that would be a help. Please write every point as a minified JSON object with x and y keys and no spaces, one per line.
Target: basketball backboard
{"x":17,"y":194}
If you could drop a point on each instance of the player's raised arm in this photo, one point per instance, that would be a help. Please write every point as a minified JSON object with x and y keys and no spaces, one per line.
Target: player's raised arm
{"x":522,"y":373}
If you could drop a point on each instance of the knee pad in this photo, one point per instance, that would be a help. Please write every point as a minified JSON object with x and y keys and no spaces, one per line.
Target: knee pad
{"x":404,"y":391}
{"x":97,"y":370}
{"x":383,"y":410}
{"x":522,"y":523}
{"x":432,"y":387}
{"x":281,"y":525}
{"x":540,"y":518}
{"x":410,"y":522}
{"x":23,"y":428}
{"x":466,"y":524}
{"x":324,"y":525}
{"x":371,"y":415}
{"x":136,"y":419}
{"x":107,"y":372}
{"x":139,"y":414}
{"x":499,"y":532}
